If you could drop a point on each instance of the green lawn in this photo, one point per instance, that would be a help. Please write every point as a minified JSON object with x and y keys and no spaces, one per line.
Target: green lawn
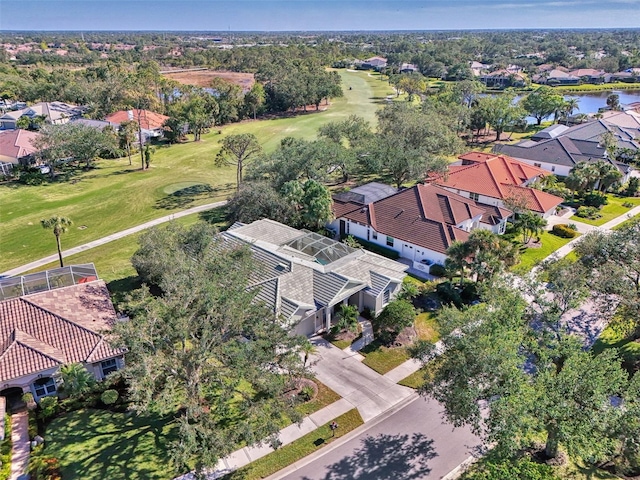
{"x":115,"y":196}
{"x":384,"y":359}
{"x":415,"y":380}
{"x":532,"y":256}
{"x":97,"y":444}
{"x":610,"y":211}
{"x":618,"y":335}
{"x":289,"y":454}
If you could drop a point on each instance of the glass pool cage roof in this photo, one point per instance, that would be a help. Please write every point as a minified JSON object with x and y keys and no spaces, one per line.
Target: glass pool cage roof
{"x":324,"y":250}
{"x":11,"y":287}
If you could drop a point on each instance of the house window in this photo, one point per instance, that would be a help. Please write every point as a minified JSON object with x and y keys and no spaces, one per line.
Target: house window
{"x":386,"y":297}
{"x":553,"y":168}
{"x":537,"y":165}
{"x":390,"y":241}
{"x":474,"y":196}
{"x":348,"y":227}
{"x":44,"y":387}
{"x":108,"y":366}
{"x":374,"y":234}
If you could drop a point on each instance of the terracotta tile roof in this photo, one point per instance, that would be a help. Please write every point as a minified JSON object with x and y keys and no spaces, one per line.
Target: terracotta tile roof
{"x":424,"y":215}
{"x":148,"y":120}
{"x":15,"y":144}
{"x":43,"y":330}
{"x":497,"y":176}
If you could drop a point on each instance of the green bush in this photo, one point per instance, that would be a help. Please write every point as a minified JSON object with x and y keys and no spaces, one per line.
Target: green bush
{"x":396,"y":316}
{"x":449,"y":294}
{"x":379,"y":249}
{"x":588,"y":212}
{"x":346,"y":318}
{"x":109,"y":397}
{"x":437,"y":270}
{"x":522,"y":469}
{"x":306,"y":393}
{"x":48,"y":407}
{"x":627,"y":205}
{"x":563,"y":231}
{"x":595,"y":199}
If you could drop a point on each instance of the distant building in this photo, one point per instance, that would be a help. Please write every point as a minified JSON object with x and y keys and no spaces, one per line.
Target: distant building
{"x":151,"y":123}
{"x":374,"y":63}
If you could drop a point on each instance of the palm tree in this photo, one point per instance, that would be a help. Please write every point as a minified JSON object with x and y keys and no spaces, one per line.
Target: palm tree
{"x":308,"y":349}
{"x":457,"y":259}
{"x":75,"y":379}
{"x":530,"y":225}
{"x":59,"y":225}
{"x":127,"y":136}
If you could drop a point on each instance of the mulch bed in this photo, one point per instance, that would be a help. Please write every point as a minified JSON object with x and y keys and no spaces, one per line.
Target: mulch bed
{"x":301,"y":383}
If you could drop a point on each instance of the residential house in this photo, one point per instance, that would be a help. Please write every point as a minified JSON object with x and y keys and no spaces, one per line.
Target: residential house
{"x":479,"y":68}
{"x":503,"y":79}
{"x":97,"y":124}
{"x":17,"y":146}
{"x":409,"y":68}
{"x":629,"y":75}
{"x":498,"y":180}
{"x":558,"y":150}
{"x":151,"y":123}
{"x":303,"y":276}
{"x":53,"y":113}
{"x":49,"y":319}
{"x":591,"y":75}
{"x":556,"y":77}
{"x":374,"y":63}
{"x":420,"y":223}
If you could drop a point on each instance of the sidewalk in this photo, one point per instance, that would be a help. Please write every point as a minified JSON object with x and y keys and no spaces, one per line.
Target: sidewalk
{"x":111,"y":238}
{"x":21,"y":447}
{"x":568,"y":248}
{"x":359,"y":386}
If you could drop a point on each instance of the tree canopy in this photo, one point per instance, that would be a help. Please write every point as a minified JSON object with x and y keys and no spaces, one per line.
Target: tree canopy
{"x":206,"y":351}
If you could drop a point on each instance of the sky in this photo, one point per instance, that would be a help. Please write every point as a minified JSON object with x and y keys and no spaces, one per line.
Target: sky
{"x":315,"y":15}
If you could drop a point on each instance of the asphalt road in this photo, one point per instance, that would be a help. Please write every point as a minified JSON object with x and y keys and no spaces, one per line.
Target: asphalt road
{"x":413,"y":443}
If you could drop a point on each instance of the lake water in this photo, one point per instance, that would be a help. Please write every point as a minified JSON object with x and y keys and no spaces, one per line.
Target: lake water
{"x":590,"y":102}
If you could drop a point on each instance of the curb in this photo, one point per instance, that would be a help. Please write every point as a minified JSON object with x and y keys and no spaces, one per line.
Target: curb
{"x":344,"y":439}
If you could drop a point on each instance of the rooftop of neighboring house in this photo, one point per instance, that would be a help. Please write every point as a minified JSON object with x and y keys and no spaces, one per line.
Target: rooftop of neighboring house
{"x":148,"y":120}
{"x":100,"y":124}
{"x":44,"y":330}
{"x":16,"y":144}
{"x":500,"y":177}
{"x":54,"y":111}
{"x":550,"y":132}
{"x":424,"y":215}
{"x":298,"y":271}
{"x":587,"y":72}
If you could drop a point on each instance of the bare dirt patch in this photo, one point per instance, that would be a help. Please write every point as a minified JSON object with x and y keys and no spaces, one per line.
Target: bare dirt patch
{"x":203,"y":78}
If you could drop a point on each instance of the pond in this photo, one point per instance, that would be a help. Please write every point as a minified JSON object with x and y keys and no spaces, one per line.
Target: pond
{"x":591,"y":102}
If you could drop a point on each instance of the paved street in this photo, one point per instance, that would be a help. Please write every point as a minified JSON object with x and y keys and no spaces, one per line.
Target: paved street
{"x":412,"y":443}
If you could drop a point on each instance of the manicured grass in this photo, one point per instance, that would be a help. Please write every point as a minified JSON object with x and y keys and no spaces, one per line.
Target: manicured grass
{"x":415,"y":380}
{"x":618,"y":335}
{"x":610,"y":211}
{"x":113,"y":259}
{"x":287,"y":455}
{"x":532,"y":256}
{"x":115,"y":196}
{"x":383,"y":359}
{"x":588,"y":87}
{"x":427,"y":327}
{"x":325,"y":397}
{"x":97,"y":444}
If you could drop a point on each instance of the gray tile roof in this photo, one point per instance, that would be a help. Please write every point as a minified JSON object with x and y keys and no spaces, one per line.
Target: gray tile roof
{"x":378,"y":283}
{"x":269,"y":231}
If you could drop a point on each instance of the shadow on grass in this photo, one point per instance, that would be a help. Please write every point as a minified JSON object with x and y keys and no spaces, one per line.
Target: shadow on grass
{"x":96,"y":444}
{"x":121,"y":287}
{"x":401,"y":457}
{"x":216,"y":216}
{"x":185,"y":196}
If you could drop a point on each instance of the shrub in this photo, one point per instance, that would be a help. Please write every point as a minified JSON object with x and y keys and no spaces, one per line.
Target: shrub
{"x":396,"y":316}
{"x":48,"y":407}
{"x":595,"y":199}
{"x":352,"y":242}
{"x":347,"y":317}
{"x":588,"y":212}
{"x":437,"y":270}
{"x":563,"y":231}
{"x":306,"y":393}
{"x":522,"y":469}
{"x":109,"y":397}
{"x":42,"y":467}
{"x":627,"y":204}
{"x":572,"y":226}
{"x":449,"y":294}
{"x":379,"y":249}
{"x":632,"y":187}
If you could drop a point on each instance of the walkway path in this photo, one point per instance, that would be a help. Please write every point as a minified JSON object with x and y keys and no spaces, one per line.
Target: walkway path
{"x":568,"y":248}
{"x":21,"y":447}
{"x":359,"y":386}
{"x":111,"y":238}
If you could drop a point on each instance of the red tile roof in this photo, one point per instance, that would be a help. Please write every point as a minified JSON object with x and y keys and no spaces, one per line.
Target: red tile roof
{"x":44,"y":330}
{"x":15,"y":144}
{"x":148,"y":120}
{"x":424,"y":215}
{"x":498,"y":176}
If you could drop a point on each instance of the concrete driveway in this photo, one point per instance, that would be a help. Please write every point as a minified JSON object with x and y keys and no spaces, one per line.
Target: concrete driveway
{"x":412,"y":443}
